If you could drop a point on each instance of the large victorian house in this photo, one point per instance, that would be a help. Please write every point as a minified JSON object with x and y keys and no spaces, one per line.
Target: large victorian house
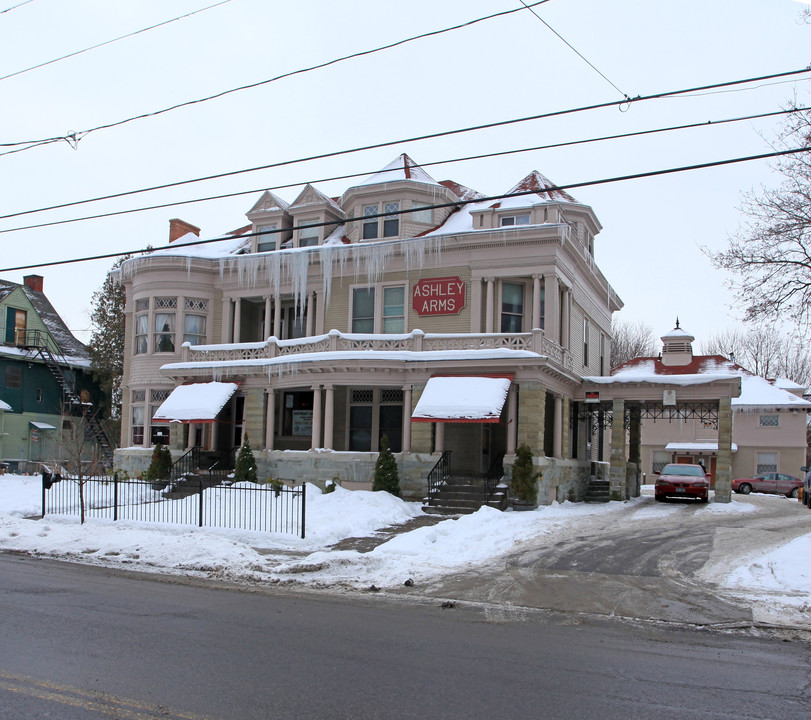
{"x":407,"y":307}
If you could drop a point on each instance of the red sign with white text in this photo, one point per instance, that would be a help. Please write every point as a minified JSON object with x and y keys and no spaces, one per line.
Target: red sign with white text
{"x":439,"y":296}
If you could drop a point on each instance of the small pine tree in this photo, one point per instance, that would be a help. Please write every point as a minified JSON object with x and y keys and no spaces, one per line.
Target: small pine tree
{"x":245,"y":469}
{"x":386,"y":476}
{"x":524,"y":475}
{"x":161,"y":466}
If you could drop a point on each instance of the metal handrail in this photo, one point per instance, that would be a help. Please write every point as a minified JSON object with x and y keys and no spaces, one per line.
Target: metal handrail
{"x":220,"y":468}
{"x":493,"y":476}
{"x":185,"y":464}
{"x":439,"y":474}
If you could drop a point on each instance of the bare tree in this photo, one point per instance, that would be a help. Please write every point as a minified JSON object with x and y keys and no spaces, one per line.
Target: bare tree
{"x":769,"y":258}
{"x":630,"y":340}
{"x":80,"y":456}
{"x":764,"y":351}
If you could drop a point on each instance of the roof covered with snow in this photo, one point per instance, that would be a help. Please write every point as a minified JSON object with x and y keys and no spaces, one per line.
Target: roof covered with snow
{"x":401,"y":168}
{"x":756,"y":392}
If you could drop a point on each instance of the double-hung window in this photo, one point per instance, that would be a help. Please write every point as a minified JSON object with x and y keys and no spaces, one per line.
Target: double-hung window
{"x":164,"y":340}
{"x":766,"y":462}
{"x":137,"y":425}
{"x":512,"y":307}
{"x":369,"y":223}
{"x":378,"y":309}
{"x":194,"y":321}
{"x":391,"y":221}
{"x":586,"y":331}
{"x":141,"y":326}
{"x":266,"y":239}
{"x":307,"y":234}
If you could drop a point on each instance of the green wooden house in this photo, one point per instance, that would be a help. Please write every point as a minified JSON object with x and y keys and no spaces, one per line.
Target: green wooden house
{"x":45,"y":381}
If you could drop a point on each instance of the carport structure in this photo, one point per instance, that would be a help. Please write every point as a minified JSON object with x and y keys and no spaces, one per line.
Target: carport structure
{"x":634,"y":398}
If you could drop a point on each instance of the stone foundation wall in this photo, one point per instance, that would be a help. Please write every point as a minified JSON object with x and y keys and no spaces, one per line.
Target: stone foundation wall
{"x":562,"y":479}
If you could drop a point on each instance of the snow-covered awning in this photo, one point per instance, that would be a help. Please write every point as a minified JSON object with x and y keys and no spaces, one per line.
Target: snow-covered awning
{"x":41,"y":425}
{"x":462,"y":398}
{"x":197,"y":403}
{"x":696,"y":447}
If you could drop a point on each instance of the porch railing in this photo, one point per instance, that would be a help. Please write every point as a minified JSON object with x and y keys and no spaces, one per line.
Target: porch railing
{"x":220,"y":469}
{"x":415,"y":341}
{"x":439,"y":474}
{"x":185,"y":465}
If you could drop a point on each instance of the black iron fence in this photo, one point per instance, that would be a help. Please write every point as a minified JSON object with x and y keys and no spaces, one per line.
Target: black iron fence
{"x":245,"y":506}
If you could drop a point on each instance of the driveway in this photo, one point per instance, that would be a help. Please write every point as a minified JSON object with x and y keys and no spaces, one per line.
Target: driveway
{"x":656,"y":561}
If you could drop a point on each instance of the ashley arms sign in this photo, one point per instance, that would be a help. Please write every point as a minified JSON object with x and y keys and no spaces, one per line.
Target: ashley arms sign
{"x":439,"y":296}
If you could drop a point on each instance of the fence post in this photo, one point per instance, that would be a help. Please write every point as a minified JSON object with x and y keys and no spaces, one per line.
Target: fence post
{"x":115,"y":496}
{"x":303,"y":506}
{"x":43,"y":495}
{"x":200,"y":482}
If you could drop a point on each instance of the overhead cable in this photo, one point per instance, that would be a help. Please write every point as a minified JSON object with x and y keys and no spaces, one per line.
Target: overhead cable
{"x":110,"y":42}
{"x":77,"y":136}
{"x":417,"y":138}
{"x":347,"y":176}
{"x":459,"y":204}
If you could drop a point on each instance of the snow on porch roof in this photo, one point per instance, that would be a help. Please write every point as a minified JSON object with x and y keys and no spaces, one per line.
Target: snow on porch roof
{"x":462,"y":399}
{"x":200,"y":402}
{"x":697,"y":447}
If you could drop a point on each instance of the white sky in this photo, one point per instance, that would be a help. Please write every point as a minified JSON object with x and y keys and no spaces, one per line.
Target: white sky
{"x":504,"y":68}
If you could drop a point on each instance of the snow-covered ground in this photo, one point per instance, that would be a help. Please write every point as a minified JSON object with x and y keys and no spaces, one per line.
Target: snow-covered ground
{"x":777,"y":582}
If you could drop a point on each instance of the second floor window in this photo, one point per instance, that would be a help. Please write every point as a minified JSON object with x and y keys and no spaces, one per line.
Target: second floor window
{"x":363,"y":310}
{"x":378,"y":309}
{"x":769,"y":421}
{"x":390,"y":222}
{"x":512,"y":307}
{"x":194,"y":329}
{"x":586,"y":331}
{"x":141,"y":331}
{"x":164,"y":332}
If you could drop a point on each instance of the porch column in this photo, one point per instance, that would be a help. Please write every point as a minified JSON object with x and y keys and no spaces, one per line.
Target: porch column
{"x":488,"y":316}
{"x":237,"y":319}
{"x":316,"y":441}
{"x":277,"y":316}
{"x":329,"y":416}
{"x":192,"y":434}
{"x":536,"y":301}
{"x":565,"y":322}
{"x":723,"y":466}
{"x":439,"y":437}
{"x":406,"y":447}
{"x":552,"y":302}
{"x":618,"y":451}
{"x":318,"y":309}
{"x":227,"y":320}
{"x":475,"y":305}
{"x":270,"y":420}
{"x":310,"y":311}
{"x":212,"y":435}
{"x":635,"y":449}
{"x":557,"y":433}
{"x":268,"y":318}
{"x":512,"y":418}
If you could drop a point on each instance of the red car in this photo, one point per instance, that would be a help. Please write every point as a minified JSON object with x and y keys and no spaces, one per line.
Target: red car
{"x":770,"y":482}
{"x":683,"y":481}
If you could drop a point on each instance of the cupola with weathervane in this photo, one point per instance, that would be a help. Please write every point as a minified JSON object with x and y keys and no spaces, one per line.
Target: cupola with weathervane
{"x":677,"y":347}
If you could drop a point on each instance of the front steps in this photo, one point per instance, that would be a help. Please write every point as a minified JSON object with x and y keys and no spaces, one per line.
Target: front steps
{"x":599,"y":491}
{"x":463,"y":495}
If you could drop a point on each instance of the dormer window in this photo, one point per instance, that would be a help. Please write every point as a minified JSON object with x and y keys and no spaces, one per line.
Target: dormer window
{"x":391,"y":223}
{"x":266,"y":239}
{"x":307,"y":235}
{"x":509,"y":220}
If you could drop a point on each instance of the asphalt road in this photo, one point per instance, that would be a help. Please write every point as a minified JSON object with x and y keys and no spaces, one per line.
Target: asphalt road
{"x":80,"y":642}
{"x":640,"y":563}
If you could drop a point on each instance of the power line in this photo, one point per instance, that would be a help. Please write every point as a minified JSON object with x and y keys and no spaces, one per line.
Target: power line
{"x":402,"y":141}
{"x":110,"y":42}
{"x":14,"y":7}
{"x":77,"y":136}
{"x":461,"y":203}
{"x":574,"y":49}
{"x":481,"y":156}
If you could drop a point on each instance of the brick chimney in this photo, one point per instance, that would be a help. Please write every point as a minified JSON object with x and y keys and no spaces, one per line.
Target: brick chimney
{"x":34,"y":282}
{"x":179,"y":228}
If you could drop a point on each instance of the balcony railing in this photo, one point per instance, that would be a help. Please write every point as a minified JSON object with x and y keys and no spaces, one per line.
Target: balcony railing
{"x":416,"y":341}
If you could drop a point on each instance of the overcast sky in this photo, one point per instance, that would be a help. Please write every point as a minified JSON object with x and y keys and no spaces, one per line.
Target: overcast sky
{"x":654,"y":229}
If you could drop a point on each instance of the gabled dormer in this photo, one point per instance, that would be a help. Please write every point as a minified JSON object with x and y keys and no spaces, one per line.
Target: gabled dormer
{"x":271,"y":221}
{"x":378,"y":204}
{"x":309,"y":211}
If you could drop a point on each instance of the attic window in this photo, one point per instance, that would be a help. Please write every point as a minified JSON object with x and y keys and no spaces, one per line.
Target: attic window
{"x":266,"y":239}
{"x":509,"y":220}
